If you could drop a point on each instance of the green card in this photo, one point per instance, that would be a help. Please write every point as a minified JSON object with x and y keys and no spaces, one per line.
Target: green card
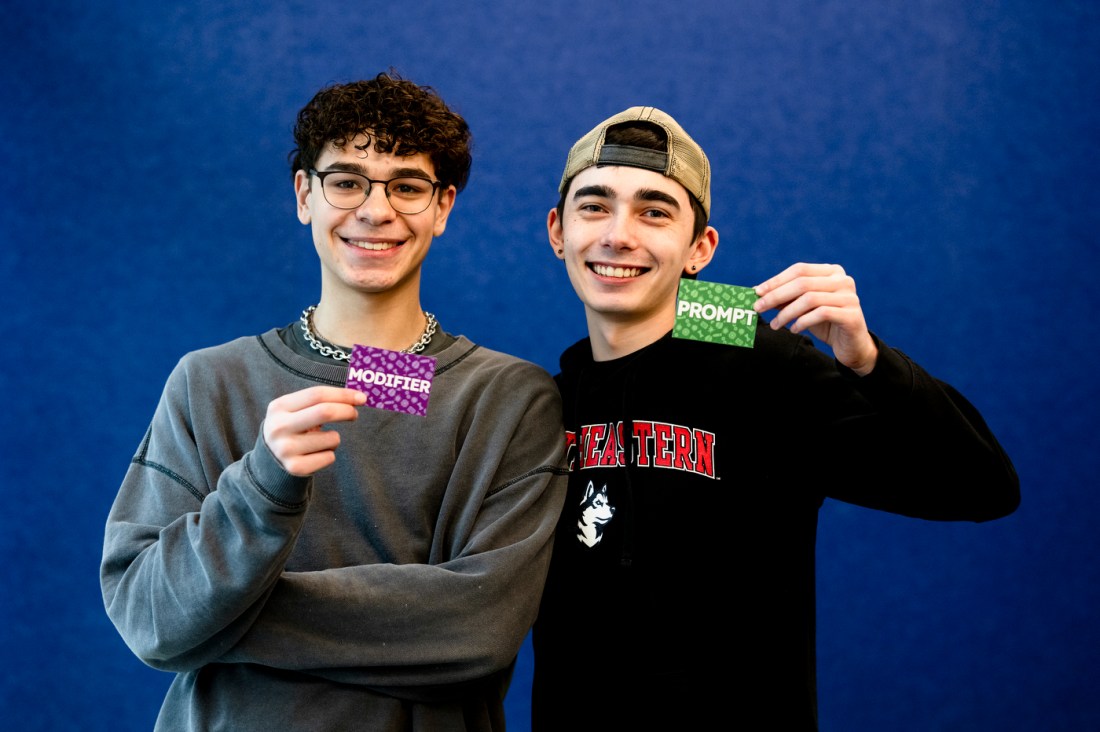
{"x":716,"y":313}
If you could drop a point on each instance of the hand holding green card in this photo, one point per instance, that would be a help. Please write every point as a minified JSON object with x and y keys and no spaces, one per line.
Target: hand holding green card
{"x":716,"y":313}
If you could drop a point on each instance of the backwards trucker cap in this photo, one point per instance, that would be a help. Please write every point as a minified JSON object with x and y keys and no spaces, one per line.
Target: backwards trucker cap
{"x":685,"y":162}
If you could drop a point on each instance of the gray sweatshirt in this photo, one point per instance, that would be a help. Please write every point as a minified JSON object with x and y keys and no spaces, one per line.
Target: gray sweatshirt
{"x":389,"y":591}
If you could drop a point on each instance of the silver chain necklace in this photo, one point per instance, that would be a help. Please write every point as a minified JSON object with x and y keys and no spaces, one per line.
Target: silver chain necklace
{"x":341,"y":355}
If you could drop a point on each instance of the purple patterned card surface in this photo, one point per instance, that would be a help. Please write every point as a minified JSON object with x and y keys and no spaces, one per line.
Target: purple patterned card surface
{"x":399,"y":382}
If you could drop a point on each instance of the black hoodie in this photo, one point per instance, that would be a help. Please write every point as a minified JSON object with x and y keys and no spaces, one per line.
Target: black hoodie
{"x":681,"y":589}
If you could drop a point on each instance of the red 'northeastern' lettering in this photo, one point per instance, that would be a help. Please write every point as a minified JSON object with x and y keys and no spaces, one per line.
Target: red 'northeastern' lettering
{"x":657,"y":445}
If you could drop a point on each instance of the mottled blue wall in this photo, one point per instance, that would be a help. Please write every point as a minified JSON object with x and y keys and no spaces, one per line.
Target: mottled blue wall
{"x":945,"y":152}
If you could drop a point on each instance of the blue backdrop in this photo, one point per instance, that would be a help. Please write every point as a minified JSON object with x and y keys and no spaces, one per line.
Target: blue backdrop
{"x":944,"y":151}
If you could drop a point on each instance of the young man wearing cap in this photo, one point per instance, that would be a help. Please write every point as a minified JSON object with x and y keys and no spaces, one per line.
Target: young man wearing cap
{"x":681,"y":589}
{"x":301,"y":560}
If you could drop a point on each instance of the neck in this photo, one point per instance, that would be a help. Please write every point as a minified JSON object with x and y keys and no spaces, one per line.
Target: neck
{"x":613,"y":338}
{"x":369,"y":319}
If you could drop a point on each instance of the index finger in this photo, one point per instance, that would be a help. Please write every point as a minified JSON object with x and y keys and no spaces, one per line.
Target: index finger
{"x":799,"y":269}
{"x":305,"y":398}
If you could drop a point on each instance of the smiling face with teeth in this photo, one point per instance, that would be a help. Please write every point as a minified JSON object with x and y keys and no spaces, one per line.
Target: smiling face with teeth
{"x":625,"y":235}
{"x":371,"y":249}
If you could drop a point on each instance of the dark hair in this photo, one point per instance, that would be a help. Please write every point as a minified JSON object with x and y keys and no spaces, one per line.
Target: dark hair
{"x":399,"y":116}
{"x":650,"y":137}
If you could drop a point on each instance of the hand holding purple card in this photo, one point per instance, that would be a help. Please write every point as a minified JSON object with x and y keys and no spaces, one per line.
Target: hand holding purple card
{"x":398,"y":382}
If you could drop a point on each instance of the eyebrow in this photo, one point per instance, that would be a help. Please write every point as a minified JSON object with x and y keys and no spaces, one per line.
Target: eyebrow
{"x":396,"y":173}
{"x":650,"y":194}
{"x":598,"y":191}
{"x":642,"y":194}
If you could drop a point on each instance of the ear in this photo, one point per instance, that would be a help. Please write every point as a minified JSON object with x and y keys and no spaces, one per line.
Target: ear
{"x":443,"y":209}
{"x":702,"y":251}
{"x":301,"y":195}
{"x":553,"y":231}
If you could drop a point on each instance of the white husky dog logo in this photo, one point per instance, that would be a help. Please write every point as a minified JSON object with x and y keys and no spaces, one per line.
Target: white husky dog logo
{"x":596,"y":511}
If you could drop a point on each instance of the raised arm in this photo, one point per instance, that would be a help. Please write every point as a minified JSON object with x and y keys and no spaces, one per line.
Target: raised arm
{"x":931,"y":454}
{"x":922,"y":449}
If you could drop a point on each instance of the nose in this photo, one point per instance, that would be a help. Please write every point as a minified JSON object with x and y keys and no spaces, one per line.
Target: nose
{"x":376,"y":207}
{"x":620,"y":234}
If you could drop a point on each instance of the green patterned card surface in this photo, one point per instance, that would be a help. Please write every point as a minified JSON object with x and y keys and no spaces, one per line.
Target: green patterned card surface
{"x":716,"y":313}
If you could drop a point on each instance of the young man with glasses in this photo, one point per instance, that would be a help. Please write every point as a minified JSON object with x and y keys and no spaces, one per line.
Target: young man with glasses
{"x":300,"y":559}
{"x":681,"y":588}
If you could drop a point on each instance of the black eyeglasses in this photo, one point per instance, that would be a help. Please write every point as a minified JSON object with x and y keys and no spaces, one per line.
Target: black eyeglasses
{"x":407,"y":195}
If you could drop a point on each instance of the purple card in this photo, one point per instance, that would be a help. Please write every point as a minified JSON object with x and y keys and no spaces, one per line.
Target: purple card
{"x":399,"y":382}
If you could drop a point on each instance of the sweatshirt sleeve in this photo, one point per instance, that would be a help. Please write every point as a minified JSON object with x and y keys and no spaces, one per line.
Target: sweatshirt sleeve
{"x":406,"y":629}
{"x":185,"y":567}
{"x":927,"y":452}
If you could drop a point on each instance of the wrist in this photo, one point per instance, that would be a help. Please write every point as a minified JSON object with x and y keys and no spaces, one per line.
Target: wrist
{"x":864,"y":364}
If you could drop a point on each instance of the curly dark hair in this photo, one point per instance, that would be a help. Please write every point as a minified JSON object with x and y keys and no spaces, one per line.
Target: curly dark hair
{"x":401,"y":117}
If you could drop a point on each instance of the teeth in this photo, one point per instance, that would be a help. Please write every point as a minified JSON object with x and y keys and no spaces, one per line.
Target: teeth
{"x":606,"y":271}
{"x":374,"y":247}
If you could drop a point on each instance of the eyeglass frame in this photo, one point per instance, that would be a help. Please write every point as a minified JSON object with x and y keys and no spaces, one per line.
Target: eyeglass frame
{"x":436,"y":185}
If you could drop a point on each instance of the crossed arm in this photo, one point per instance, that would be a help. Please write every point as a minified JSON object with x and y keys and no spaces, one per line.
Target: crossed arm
{"x":193,"y":576}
